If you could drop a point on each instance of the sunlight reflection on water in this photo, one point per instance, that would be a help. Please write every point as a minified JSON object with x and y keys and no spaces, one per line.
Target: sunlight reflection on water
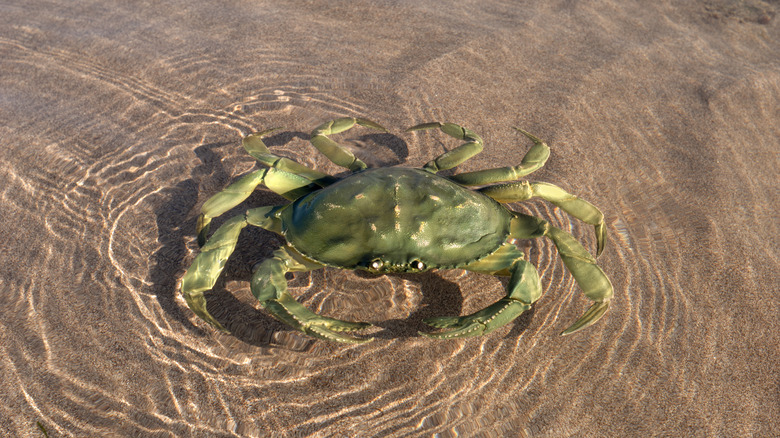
{"x":113,"y":140}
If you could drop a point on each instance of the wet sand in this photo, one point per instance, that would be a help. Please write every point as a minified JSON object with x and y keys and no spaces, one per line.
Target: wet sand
{"x":120,"y":121}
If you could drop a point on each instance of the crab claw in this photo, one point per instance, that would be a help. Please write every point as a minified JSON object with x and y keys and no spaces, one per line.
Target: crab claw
{"x":479,"y":323}
{"x":269,"y":286}
{"x":289,"y":311}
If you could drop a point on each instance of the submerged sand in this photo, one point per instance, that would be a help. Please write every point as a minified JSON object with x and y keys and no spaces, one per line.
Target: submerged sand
{"x":120,"y":120}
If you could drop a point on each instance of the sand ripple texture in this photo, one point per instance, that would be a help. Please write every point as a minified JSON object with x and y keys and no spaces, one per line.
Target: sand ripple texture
{"x":120,"y":119}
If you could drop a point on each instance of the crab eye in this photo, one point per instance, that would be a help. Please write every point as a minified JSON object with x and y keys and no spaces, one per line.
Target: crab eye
{"x":418,"y":265}
{"x":376,"y":264}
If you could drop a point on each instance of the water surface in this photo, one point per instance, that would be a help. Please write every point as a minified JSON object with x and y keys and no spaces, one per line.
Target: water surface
{"x":120,"y":120}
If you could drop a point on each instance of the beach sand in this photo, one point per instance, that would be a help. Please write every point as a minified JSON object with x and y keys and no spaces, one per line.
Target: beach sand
{"x":119,"y":120}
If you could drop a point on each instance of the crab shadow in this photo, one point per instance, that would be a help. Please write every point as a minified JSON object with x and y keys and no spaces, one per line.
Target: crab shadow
{"x":238,"y":312}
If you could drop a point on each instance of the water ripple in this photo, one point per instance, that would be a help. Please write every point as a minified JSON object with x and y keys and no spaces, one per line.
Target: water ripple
{"x":111,"y":145}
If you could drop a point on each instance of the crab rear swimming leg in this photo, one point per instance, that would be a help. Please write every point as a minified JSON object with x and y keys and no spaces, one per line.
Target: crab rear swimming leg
{"x":579,"y":208}
{"x":589,"y":276}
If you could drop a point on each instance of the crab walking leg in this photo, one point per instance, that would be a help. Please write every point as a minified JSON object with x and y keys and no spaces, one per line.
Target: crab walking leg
{"x":579,"y":208}
{"x":524,"y":289}
{"x":589,"y":276}
{"x":335,"y":152}
{"x":286,"y":184}
{"x":284,"y":177}
{"x":208,"y":265}
{"x":254,"y":145}
{"x":533,"y":160}
{"x":269,"y":286}
{"x":456,"y":156}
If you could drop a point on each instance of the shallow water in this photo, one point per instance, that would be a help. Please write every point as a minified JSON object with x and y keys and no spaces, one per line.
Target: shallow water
{"x":120,"y":121}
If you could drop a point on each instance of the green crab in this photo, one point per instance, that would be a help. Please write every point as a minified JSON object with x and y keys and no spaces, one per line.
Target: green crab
{"x":392,"y":220}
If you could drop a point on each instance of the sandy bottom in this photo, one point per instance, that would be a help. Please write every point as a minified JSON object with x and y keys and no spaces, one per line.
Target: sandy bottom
{"x":118,"y":122}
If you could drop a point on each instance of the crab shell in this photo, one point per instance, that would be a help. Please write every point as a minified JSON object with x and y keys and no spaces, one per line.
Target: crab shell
{"x":396,"y":220}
